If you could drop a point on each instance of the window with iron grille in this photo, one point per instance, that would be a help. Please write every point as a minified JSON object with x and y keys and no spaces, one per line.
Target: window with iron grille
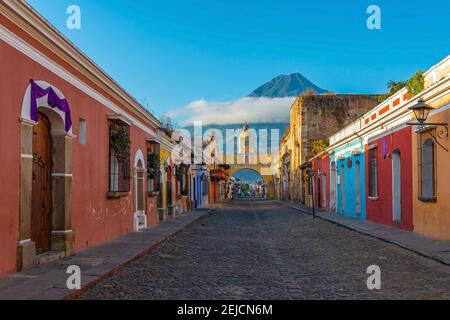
{"x":205,"y":185}
{"x":182,"y":176}
{"x":373,"y":173}
{"x":427,"y":168}
{"x":119,"y":157}
{"x":154,"y":177}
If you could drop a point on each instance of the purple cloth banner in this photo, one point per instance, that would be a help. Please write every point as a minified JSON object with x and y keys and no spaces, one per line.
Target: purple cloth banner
{"x":385,"y":149}
{"x":53,"y":101}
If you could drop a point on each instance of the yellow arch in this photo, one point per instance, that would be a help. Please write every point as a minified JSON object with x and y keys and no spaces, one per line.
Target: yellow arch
{"x":260,"y":164}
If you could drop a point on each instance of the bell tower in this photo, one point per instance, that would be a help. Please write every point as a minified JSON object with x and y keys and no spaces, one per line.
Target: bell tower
{"x":244,"y":140}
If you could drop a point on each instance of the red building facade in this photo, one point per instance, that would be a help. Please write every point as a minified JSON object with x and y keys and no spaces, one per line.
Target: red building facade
{"x":321,"y":181}
{"x":389,"y":183}
{"x":67,"y":188}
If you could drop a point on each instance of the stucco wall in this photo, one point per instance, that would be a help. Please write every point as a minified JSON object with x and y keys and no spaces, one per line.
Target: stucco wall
{"x":95,"y":219}
{"x":433,"y":219}
{"x":349,"y":207}
{"x":380,"y":210}
{"x":10,"y":104}
{"x":322,"y":164}
{"x":324,"y":115}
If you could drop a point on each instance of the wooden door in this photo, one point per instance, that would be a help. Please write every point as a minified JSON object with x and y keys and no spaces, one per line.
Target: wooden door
{"x":41,"y":210}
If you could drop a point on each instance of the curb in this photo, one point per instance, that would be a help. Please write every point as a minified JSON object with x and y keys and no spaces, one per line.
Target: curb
{"x":422,"y":254}
{"x":75,"y":294}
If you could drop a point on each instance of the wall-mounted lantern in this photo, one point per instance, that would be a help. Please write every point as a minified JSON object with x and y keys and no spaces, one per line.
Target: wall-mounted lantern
{"x":421,"y":112}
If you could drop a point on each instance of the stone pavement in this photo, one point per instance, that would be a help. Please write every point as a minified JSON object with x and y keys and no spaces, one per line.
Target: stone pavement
{"x":48,"y":281}
{"x":435,"y":249}
{"x":265,"y":250}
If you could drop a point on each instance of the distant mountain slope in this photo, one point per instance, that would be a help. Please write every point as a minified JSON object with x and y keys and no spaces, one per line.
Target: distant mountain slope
{"x":286,"y":86}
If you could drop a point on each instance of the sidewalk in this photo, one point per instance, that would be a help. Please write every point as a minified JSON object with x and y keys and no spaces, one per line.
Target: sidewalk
{"x":48,"y":281}
{"x":435,"y":249}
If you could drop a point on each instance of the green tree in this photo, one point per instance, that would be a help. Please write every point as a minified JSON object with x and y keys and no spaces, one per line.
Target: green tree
{"x":318,"y":146}
{"x":416,"y":83}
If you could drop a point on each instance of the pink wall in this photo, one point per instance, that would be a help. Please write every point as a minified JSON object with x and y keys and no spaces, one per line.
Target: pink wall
{"x":322,"y":164}
{"x":381,"y":209}
{"x":95,"y":218}
{"x":10,"y":103}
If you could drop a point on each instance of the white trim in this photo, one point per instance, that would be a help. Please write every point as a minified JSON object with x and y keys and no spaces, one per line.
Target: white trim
{"x":378,"y":135}
{"x":26,"y":156}
{"x":120,"y":117}
{"x":439,"y":110}
{"x":65,"y":175}
{"x":40,"y":58}
{"x":27,"y":121}
{"x":23,"y":242}
{"x":139,"y":155}
{"x":62,"y":232}
{"x":42,"y":103}
{"x":431,"y":94}
{"x":27,"y":13}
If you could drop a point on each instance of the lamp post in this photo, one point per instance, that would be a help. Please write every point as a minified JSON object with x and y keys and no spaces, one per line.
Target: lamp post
{"x":421,"y":112}
{"x":307,"y":168}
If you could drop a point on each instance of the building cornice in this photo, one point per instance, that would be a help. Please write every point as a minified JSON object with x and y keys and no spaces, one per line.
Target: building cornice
{"x":399,"y":116}
{"x":33,"y":24}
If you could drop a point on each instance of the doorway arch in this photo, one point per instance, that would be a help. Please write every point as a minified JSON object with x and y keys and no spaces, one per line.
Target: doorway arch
{"x":44,"y":181}
{"x":333,"y":186}
{"x":358,"y":187}
{"x":255,"y":180}
{"x":396,"y":186}
{"x":140,"y":216}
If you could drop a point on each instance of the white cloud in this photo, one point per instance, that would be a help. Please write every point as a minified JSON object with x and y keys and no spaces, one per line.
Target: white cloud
{"x":253,"y":110}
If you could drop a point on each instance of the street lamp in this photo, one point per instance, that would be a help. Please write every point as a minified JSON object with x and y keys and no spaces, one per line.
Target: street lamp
{"x":307,"y":168}
{"x":421,"y":112}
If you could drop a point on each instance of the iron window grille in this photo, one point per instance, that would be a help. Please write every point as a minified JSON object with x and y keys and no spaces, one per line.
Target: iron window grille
{"x":119,"y":166}
{"x":373,"y":173}
{"x":182,"y":176}
{"x":154,"y":176}
{"x":426,"y":161}
{"x":205,"y":185}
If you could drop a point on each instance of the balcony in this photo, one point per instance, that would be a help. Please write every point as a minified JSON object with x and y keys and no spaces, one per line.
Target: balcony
{"x":218,"y":175}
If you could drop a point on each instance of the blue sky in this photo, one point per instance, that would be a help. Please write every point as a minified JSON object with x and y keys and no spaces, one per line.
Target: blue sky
{"x":171,"y":53}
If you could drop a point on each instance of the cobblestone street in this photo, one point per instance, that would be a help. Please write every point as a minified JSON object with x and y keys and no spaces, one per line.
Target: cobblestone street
{"x":264,"y":250}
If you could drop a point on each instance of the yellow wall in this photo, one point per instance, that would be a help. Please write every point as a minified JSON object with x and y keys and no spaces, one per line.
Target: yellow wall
{"x":263,"y":164}
{"x":295,"y":134}
{"x":433,"y":219}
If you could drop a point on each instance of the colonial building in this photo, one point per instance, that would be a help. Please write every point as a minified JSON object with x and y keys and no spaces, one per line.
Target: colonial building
{"x":387,"y":170}
{"x":313,"y":118}
{"x":431,"y":157}
{"x":82,"y":160}
{"x":320,"y":185}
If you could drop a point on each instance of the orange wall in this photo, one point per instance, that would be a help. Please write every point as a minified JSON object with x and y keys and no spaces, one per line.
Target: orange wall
{"x":433,"y":219}
{"x":95,"y":218}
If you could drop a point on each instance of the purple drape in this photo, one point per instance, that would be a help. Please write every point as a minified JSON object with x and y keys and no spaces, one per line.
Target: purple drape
{"x":53,"y":101}
{"x":385,"y":149}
